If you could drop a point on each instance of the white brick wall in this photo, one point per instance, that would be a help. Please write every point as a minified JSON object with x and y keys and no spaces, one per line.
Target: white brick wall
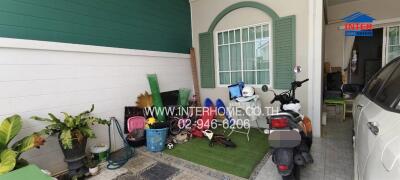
{"x":40,"y":77}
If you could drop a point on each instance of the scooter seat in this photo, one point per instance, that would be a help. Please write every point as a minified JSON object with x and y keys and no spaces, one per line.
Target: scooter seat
{"x":294,"y":114}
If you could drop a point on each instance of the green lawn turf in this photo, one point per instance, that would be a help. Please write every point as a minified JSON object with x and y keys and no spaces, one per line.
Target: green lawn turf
{"x":239,"y":161}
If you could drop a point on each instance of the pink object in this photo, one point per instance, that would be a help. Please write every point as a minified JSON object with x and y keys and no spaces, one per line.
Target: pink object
{"x":206,"y":119}
{"x":135,"y":122}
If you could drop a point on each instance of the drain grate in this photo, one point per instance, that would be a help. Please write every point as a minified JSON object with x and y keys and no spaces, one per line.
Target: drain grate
{"x":159,"y":171}
{"x":128,"y":177}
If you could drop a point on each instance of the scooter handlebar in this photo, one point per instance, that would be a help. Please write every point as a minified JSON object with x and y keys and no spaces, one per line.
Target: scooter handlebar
{"x":305,"y":80}
{"x":273,"y":100}
{"x":299,"y":83}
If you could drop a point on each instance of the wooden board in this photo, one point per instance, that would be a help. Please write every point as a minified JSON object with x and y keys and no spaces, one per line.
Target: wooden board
{"x":195,"y":75}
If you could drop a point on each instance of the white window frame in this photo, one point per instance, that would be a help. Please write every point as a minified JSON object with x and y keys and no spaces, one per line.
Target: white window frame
{"x":216,"y":54}
{"x":386,"y":45}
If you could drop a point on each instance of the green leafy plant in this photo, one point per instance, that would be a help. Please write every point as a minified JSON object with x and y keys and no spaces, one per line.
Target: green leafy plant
{"x":72,"y":127}
{"x":9,"y":156}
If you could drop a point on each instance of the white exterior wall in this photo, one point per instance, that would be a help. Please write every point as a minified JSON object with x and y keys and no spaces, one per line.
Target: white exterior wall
{"x":39,"y":77}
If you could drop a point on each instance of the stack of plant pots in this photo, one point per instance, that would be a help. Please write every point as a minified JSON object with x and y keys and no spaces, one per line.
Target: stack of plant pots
{"x":75,"y":157}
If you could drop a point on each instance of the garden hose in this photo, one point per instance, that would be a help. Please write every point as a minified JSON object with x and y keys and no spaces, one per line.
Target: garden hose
{"x":113,"y":162}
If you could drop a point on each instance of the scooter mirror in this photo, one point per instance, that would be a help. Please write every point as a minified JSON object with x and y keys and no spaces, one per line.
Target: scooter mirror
{"x":297,"y":69}
{"x":264,"y":88}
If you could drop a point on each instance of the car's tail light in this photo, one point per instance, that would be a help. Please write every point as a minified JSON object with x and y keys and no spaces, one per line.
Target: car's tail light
{"x":283,"y":167}
{"x":279,"y":123}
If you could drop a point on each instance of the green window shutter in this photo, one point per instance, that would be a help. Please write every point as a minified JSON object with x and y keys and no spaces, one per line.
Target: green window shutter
{"x":284,"y":51}
{"x":207,"y":71}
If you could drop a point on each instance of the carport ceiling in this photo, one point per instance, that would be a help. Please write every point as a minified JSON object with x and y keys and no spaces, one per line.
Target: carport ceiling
{"x":335,"y":2}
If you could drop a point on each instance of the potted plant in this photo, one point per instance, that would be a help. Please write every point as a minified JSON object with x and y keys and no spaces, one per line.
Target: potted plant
{"x":72,"y":133}
{"x":92,"y":164}
{"x":9,"y":156}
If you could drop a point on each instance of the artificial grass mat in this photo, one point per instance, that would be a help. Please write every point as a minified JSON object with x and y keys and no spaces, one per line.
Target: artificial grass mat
{"x":239,"y":161}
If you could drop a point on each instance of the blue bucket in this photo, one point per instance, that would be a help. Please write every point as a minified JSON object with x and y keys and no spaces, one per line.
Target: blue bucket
{"x":155,"y":139}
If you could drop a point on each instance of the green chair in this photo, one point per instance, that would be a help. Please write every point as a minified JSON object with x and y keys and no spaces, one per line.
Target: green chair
{"x":27,"y":172}
{"x":336,"y":102}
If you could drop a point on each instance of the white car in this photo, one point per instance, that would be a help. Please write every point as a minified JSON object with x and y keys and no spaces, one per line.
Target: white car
{"x":376,"y":114}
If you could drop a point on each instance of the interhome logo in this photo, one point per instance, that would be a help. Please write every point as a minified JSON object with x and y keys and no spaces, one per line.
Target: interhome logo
{"x":358,"y":24}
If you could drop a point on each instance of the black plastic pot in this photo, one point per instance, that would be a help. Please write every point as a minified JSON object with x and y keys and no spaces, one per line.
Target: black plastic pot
{"x":77,"y":151}
{"x":75,"y":157}
{"x":137,"y":143}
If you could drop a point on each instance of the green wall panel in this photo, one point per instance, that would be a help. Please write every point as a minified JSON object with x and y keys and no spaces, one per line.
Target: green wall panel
{"x":284,"y":51}
{"x":157,"y":25}
{"x":207,"y":70}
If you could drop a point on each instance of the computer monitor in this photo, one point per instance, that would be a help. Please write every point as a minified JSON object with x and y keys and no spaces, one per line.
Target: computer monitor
{"x":235,"y":90}
{"x":170,"y":98}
